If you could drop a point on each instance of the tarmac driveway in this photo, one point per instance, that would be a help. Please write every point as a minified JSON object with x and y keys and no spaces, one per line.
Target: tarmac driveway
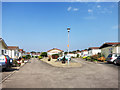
{"x":38,"y":74}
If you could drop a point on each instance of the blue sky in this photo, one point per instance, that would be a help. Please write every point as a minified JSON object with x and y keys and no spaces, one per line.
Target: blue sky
{"x":43,"y":26}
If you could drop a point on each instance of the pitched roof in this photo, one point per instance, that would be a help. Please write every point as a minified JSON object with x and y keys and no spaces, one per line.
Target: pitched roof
{"x":20,"y":49}
{"x":84,"y":50}
{"x":93,"y":48}
{"x":13,"y":47}
{"x":3,"y":42}
{"x":109,"y":44}
{"x":54,"y":49}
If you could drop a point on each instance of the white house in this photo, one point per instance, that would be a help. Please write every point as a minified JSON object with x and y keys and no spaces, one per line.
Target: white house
{"x":72,"y":54}
{"x":21,"y":52}
{"x":54,"y":51}
{"x":79,"y":52}
{"x":3,"y":47}
{"x":93,"y":51}
{"x":110,"y":47}
{"x":84,"y":53}
{"x":13,"y":52}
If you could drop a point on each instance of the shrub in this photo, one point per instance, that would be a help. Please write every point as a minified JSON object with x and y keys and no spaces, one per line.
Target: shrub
{"x":22,"y":61}
{"x":26,"y":56}
{"x":72,"y":57}
{"x":15,"y":63}
{"x":40,"y":57}
{"x":36,"y":56}
{"x":95,"y":57}
{"x":55,"y":56}
{"x":64,"y":60}
{"x":88,"y":58}
{"x":102,"y":59}
{"x":77,"y":55}
{"x":44,"y":54}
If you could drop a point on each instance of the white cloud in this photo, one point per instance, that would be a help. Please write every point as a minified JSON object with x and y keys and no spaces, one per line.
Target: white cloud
{"x":115,"y":27}
{"x":90,"y":10}
{"x":69,"y":8}
{"x":98,"y":6}
{"x":75,"y":9}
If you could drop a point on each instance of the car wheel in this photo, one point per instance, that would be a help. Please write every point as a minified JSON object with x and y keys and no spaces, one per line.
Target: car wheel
{"x":115,"y":62}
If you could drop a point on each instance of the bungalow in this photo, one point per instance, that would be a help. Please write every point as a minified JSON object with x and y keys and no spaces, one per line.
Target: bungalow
{"x":93,"y":51}
{"x":84,"y":53}
{"x":54,"y":51}
{"x":3,"y":47}
{"x":108,"y":48}
{"x":20,"y":52}
{"x":72,"y":54}
{"x":13,"y":52}
{"x":79,"y":53}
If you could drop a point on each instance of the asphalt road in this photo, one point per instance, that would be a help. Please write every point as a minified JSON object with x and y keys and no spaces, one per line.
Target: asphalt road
{"x":38,"y":74}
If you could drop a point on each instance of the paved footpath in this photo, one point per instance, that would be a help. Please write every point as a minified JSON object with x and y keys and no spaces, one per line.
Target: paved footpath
{"x":38,"y":74}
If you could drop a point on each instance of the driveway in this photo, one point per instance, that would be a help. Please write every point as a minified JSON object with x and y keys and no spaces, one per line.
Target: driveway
{"x":38,"y":74}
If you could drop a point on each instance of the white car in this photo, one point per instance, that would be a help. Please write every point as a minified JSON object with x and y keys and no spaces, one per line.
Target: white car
{"x":67,"y":57}
{"x":111,"y":57}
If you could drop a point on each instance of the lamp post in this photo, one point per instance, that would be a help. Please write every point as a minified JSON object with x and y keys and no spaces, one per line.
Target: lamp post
{"x":68,"y":29}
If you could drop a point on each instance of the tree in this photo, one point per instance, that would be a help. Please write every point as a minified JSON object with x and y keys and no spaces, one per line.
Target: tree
{"x":77,"y":55}
{"x":77,"y":50}
{"x":33,"y":52}
{"x":65,"y":52}
{"x":44,"y":54}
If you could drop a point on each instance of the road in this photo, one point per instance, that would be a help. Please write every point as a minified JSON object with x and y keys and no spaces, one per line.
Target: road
{"x":38,"y":74}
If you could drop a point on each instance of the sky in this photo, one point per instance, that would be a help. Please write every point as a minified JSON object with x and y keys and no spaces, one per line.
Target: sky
{"x":41,"y":26}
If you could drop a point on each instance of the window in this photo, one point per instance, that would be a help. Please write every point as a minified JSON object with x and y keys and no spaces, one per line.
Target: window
{"x":2,"y":52}
{"x":15,"y":53}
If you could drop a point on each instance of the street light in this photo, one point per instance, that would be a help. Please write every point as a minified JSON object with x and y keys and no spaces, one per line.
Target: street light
{"x":68,"y":29}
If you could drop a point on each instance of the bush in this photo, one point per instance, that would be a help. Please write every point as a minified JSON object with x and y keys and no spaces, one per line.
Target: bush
{"x":94,"y":57}
{"x":15,"y":63}
{"x":26,"y":56}
{"x":22,"y":61}
{"x":77,"y":55}
{"x":72,"y":57}
{"x":44,"y":54}
{"x":36,"y":56}
{"x":102,"y":59}
{"x":55,"y":56}
{"x":88,"y":58}
{"x":40,"y":57}
{"x":64,"y":60}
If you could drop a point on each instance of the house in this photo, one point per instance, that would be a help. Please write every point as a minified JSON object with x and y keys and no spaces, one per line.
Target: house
{"x":93,"y":51}
{"x":21,"y":52}
{"x":3,"y":47}
{"x":34,"y":53}
{"x":79,"y":53}
{"x":54,"y":51}
{"x":72,"y":54}
{"x":110,"y":47}
{"x":13,"y":52}
{"x":84,"y":53}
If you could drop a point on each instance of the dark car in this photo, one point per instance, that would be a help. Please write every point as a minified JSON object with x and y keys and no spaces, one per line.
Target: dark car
{"x":117,"y":61}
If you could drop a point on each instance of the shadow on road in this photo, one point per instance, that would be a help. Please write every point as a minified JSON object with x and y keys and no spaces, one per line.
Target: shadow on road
{"x":9,"y":70}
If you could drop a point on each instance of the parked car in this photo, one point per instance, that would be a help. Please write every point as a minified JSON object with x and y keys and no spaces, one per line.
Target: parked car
{"x":67,"y":57}
{"x":85,"y":56}
{"x":4,"y":62}
{"x":117,"y":61}
{"x":111,"y":57}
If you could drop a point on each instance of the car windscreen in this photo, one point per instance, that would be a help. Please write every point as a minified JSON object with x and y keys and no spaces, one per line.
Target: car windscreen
{"x":110,"y":55}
